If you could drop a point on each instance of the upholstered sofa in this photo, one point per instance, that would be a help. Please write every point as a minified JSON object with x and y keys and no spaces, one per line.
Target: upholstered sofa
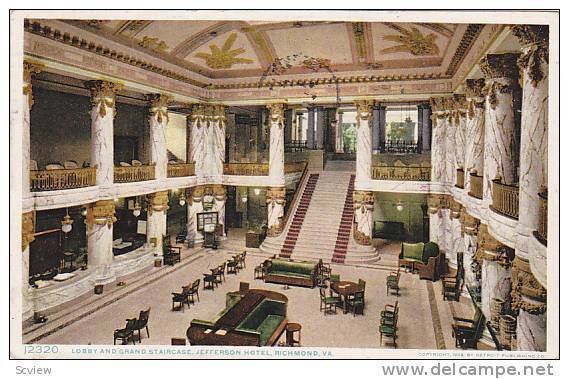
{"x":267,"y":320}
{"x":425,"y":258}
{"x":294,"y":273}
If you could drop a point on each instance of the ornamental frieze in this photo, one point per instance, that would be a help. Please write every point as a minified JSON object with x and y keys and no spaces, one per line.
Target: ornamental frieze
{"x":535,"y":41}
{"x":159,"y":106}
{"x":276,"y":114}
{"x":527,"y":293}
{"x":100,"y":213}
{"x":28,"y":229}
{"x":157,"y":202}
{"x":103,"y":95}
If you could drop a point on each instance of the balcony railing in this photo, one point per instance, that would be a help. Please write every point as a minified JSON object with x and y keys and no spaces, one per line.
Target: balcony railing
{"x":134,"y":174}
{"x":177,"y":170}
{"x":505,"y":199}
{"x":296,"y":145}
{"x":52,"y":180}
{"x":291,"y":167}
{"x":412,"y":173}
{"x":541,"y":232}
{"x":399,"y":147}
{"x":476,"y":186}
{"x":459,"y":178}
{"x":246,"y":169}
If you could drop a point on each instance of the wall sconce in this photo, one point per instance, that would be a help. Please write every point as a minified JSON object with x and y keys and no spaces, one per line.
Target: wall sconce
{"x":84,"y":211}
{"x":244,"y":199}
{"x":182,"y":200}
{"x":399,"y":207}
{"x":67,"y":223}
{"x":257,"y":191}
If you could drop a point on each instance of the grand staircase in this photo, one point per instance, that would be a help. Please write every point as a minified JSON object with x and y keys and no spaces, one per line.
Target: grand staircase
{"x":320,"y":226}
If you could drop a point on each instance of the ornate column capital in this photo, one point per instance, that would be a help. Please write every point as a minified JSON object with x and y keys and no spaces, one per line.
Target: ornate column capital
{"x":437,"y":201}
{"x":364,"y":110}
{"x":276,"y":113}
{"x":490,"y":249}
{"x":475,"y":96}
{"x":30,"y":70}
{"x":535,"y":42}
{"x":455,"y":209}
{"x":207,"y":113}
{"x":469,"y":224}
{"x":28,"y":228}
{"x":159,"y":106}
{"x":100,"y":213}
{"x":157,"y":201}
{"x":103,"y":94}
{"x":527,"y":293}
{"x":502,"y":73}
{"x":363,"y":199}
{"x":442,"y":107}
{"x":459,"y":107}
{"x":219,"y":192}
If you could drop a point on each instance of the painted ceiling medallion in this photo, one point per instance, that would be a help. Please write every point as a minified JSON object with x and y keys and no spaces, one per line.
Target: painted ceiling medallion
{"x":225,"y":57}
{"x":153,"y":43}
{"x":412,"y":41}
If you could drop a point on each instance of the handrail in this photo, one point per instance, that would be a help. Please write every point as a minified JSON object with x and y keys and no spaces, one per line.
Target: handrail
{"x":176,"y":170}
{"x":476,"y":186}
{"x":295,"y":198}
{"x":459,"y":178}
{"x":413,"y":173}
{"x":290,"y":167}
{"x":62,"y":179}
{"x":505,"y":199}
{"x":133,"y":173}
{"x":541,"y":232}
{"x":249,"y":169}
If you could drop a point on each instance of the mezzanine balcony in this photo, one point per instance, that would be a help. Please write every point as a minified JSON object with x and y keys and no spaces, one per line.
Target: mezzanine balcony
{"x":505,"y":199}
{"x":62,"y":179}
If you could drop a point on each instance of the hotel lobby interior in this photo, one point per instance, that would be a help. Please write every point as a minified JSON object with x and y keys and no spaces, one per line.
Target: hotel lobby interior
{"x":335,"y":184}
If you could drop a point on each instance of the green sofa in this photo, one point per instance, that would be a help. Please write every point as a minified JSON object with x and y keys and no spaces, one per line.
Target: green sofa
{"x":267,"y":320}
{"x":295,"y":273}
{"x":426,"y":258}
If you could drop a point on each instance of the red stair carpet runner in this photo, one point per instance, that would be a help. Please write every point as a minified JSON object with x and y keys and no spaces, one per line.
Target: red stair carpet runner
{"x":298,"y":219}
{"x":345,"y":227}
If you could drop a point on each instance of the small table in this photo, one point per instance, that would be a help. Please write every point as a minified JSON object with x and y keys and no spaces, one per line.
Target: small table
{"x":344,"y":288}
{"x":291,"y":328}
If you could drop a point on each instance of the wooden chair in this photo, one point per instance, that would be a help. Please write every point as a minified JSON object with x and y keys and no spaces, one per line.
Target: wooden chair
{"x":194,"y":291}
{"x":327,"y":302}
{"x":181,"y":297}
{"x":392,"y":282}
{"x":388,"y":328}
{"x":232,"y":266}
{"x":241,"y":260}
{"x":243,"y":286}
{"x":389,"y":314}
{"x":142,"y":323}
{"x":453,"y":281}
{"x":357,"y":301}
{"x":125,"y":333}
{"x":172,"y":254}
{"x":209,"y":282}
{"x":467,"y":332}
{"x":261,"y":270}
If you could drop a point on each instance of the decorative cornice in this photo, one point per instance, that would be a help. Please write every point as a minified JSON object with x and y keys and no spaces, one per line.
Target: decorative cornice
{"x":157,"y":202}
{"x":30,"y":70}
{"x":159,"y":106}
{"x":100,"y":213}
{"x":468,"y":38}
{"x":103,"y":95}
{"x":28,"y":228}
{"x":276,"y":114}
{"x":527,"y":293}
{"x":364,"y":109}
{"x":535,"y":40}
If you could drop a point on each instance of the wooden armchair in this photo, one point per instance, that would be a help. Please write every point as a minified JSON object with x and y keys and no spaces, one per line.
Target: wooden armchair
{"x":172,"y":254}
{"x":194,"y":291}
{"x":388,"y":325}
{"x":181,"y":297}
{"x":357,"y":301}
{"x":209,"y":281}
{"x":327,"y":302}
{"x":125,"y":333}
{"x":468,"y":331}
{"x":261,"y":270}
{"x":142,"y":323}
{"x":389,"y":314}
{"x":392,"y":282}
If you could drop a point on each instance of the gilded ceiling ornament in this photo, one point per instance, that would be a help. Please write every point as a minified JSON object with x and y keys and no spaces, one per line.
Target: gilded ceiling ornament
{"x":224,"y":57}
{"x":100,"y":213}
{"x":527,"y":293}
{"x":276,"y":114}
{"x":364,"y":109}
{"x":412,"y":41}
{"x":153,"y":43}
{"x":358,"y":29}
{"x":30,"y":70}
{"x":159,"y":106}
{"x":157,"y":202}
{"x":535,"y":40}
{"x":28,"y":228}
{"x":103,"y":95}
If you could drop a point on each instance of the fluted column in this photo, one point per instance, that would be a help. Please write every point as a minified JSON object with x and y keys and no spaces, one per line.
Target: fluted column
{"x":99,"y":220}
{"x":276,"y":146}
{"x":534,"y":64}
{"x":529,"y":300}
{"x":363,"y":149}
{"x":441,"y":117}
{"x":156,"y":221}
{"x":501,"y":147}
{"x":459,"y":123}
{"x":339,"y":132}
{"x":276,"y":198}
{"x":363,"y":216}
{"x":158,"y":119}
{"x":208,"y":141}
{"x":474,"y":139}
{"x":30,"y":69}
{"x":28,"y":230}
{"x":102,"y":116}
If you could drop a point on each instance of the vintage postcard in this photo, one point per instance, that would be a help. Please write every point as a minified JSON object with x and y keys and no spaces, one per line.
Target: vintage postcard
{"x":284,"y":184}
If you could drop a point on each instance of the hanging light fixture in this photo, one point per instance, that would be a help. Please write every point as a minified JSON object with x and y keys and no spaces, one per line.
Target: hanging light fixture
{"x":137,"y":208}
{"x":67,"y":223}
{"x":399,"y":206}
{"x":182,"y":199}
{"x":244,"y":199}
{"x":257,"y":191}
{"x":84,"y":211}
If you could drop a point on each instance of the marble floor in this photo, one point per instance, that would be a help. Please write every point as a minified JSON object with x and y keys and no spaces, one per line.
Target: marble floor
{"x":424,"y":321}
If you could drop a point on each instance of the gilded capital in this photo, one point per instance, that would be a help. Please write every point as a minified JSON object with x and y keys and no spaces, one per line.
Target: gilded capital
{"x":469,"y":224}
{"x":490,"y":249}
{"x":103,"y":95}
{"x":30,"y":70}
{"x":475,"y":95}
{"x":495,"y":66}
{"x":159,"y":106}
{"x":363,"y":199}
{"x":100,"y":213}
{"x":364,"y":109}
{"x":527,"y":293}
{"x":276,"y":195}
{"x":459,"y":107}
{"x":205,"y":114}
{"x":157,"y":202}
{"x":28,"y":228}
{"x":218,"y":191}
{"x":276,"y":114}
{"x":535,"y":41}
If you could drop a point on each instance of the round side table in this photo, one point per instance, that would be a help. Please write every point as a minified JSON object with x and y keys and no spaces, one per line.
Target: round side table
{"x":292,"y":328}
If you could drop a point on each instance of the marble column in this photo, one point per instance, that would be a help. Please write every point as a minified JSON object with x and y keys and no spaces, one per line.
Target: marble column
{"x":440,"y":222}
{"x":426,"y":139}
{"x":157,"y":121}
{"x":529,"y":300}
{"x":459,"y":123}
{"x":441,"y":118}
{"x":99,"y":220}
{"x":470,"y":242}
{"x":363,"y":142}
{"x":189,"y":154}
{"x":30,"y":70}
{"x":339,"y":132}
{"x":363,"y":216}
{"x":501,"y":148}
{"x":219,"y":197}
{"x":103,"y":96}
{"x":276,"y":198}
{"x":474,"y":134}
{"x":195,"y":206}
{"x":534,"y":66}
{"x":375,"y":129}
{"x":156,"y":221}
{"x":208,"y":141}
{"x":276,"y":146}
{"x":320,"y":126}
{"x":28,"y":230}
{"x":456,"y":240}
{"x":310,"y":135}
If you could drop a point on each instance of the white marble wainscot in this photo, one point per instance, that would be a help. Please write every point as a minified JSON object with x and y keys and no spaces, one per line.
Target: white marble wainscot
{"x":502,"y":228}
{"x":100,"y":252}
{"x":58,"y":293}
{"x":531,"y":330}
{"x":438,"y":167}
{"x":496,"y":283}
{"x":133,"y":261}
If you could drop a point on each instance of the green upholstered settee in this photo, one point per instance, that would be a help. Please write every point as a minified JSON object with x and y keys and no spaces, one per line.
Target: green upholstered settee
{"x":296,"y":273}
{"x":267,"y":320}
{"x":425,"y":258}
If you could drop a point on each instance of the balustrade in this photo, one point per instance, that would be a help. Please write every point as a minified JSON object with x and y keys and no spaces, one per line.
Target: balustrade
{"x":52,"y":180}
{"x":291,"y":167}
{"x":476,"y":186}
{"x":247,"y":169}
{"x":176,"y":170}
{"x":505,"y":199}
{"x":134,"y":174}
{"x":541,"y":232}
{"x":412,"y":173}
